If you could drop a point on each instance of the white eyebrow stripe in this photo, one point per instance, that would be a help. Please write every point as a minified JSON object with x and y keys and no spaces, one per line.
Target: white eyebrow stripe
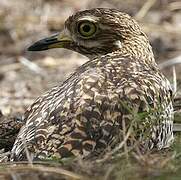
{"x":89,"y":18}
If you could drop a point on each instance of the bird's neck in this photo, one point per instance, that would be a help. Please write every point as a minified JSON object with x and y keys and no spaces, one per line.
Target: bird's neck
{"x":137,"y":48}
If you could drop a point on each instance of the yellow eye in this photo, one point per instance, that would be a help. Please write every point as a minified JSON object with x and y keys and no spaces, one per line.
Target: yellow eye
{"x":86,"y":29}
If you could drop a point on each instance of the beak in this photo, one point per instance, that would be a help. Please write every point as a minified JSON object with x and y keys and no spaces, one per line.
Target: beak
{"x":55,"y":41}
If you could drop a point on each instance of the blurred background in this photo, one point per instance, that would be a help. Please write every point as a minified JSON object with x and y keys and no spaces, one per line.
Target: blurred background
{"x":25,"y":75}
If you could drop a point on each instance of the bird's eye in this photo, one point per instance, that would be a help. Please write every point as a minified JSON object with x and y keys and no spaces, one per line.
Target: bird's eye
{"x":86,"y":29}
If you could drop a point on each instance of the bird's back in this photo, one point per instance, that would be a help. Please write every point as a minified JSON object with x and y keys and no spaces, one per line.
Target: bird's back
{"x":95,"y":107}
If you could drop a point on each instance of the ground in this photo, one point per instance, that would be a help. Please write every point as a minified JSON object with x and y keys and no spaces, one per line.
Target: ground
{"x":25,"y":75}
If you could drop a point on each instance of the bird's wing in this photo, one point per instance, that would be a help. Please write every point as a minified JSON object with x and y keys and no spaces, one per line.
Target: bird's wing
{"x":90,"y":105}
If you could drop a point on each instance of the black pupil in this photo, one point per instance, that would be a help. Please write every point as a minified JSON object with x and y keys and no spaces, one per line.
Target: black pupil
{"x":86,"y":28}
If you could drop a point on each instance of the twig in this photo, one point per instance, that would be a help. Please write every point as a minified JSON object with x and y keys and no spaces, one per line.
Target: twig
{"x":164,"y":28}
{"x":116,"y":149}
{"x":32,"y":66}
{"x":15,"y":177}
{"x":170,"y":62}
{"x":108,"y":173}
{"x":46,"y":62}
{"x":55,"y":170}
{"x":28,"y":155}
{"x":145,"y":8}
{"x":174,"y":6}
{"x":124,"y":136}
{"x":4,"y":156}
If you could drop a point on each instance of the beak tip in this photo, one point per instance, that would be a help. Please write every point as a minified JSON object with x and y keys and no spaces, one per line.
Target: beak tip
{"x":37,"y":47}
{"x":30,"y":48}
{"x":33,"y":47}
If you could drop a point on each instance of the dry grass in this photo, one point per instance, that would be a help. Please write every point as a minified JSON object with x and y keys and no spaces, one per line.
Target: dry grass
{"x":24,"y":76}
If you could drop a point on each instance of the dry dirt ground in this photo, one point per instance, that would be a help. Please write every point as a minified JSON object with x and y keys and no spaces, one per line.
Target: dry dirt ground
{"x":25,"y":75}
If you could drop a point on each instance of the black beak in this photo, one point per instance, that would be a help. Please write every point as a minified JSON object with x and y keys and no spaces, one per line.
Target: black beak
{"x":54,"y":41}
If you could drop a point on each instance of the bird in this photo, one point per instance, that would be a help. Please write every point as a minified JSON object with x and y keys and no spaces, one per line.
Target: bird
{"x":118,"y":95}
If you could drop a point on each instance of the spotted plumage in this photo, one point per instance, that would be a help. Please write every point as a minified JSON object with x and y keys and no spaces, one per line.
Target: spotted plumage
{"x":118,"y":89}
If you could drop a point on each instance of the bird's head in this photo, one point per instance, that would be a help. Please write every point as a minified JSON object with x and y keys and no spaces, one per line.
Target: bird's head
{"x":95,"y":32}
